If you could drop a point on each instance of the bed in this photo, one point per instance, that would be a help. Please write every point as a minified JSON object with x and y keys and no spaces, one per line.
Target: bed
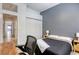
{"x":57,"y":47}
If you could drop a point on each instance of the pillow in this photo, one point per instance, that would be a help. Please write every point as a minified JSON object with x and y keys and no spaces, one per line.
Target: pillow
{"x":66,"y":39}
{"x":53,"y":36}
{"x":42,"y":45}
{"x":61,"y":38}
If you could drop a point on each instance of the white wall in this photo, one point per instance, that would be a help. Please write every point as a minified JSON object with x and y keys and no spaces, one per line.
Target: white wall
{"x":0,"y":8}
{"x":21,"y":24}
{"x":34,"y":23}
{"x":22,"y":14}
{"x":33,"y":14}
{"x":1,"y":24}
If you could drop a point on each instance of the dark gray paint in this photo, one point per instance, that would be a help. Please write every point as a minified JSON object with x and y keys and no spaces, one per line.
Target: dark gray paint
{"x":62,"y":19}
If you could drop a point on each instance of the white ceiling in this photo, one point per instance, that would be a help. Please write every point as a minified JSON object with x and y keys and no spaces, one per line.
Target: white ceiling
{"x":41,"y":6}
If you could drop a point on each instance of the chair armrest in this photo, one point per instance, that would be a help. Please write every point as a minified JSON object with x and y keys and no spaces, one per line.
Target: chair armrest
{"x":19,"y":45}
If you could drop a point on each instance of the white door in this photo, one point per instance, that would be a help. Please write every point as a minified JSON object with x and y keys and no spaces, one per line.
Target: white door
{"x":34,"y":27}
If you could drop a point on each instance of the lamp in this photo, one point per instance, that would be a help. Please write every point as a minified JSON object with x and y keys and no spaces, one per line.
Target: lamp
{"x":47,"y":32}
{"x":77,"y":36}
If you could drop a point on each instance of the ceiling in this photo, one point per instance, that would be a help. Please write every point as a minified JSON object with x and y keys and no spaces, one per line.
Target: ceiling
{"x":41,"y":6}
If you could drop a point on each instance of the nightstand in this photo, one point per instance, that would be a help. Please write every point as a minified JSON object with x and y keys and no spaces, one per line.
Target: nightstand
{"x":76,"y":45}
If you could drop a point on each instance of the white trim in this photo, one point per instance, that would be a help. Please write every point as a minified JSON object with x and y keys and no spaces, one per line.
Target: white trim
{"x":34,"y":18}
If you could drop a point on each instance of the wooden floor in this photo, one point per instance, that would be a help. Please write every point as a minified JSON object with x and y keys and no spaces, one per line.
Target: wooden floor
{"x":8,"y":48}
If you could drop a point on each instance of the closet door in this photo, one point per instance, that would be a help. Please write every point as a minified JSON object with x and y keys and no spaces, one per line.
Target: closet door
{"x":34,"y":27}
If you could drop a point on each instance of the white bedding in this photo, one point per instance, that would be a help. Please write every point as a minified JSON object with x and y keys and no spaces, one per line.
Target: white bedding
{"x":42,"y":45}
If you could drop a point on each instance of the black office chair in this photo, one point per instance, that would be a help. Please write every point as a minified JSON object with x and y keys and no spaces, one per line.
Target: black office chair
{"x":30,"y":45}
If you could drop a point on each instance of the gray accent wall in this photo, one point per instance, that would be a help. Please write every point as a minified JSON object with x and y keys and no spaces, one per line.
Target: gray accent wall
{"x":62,"y":19}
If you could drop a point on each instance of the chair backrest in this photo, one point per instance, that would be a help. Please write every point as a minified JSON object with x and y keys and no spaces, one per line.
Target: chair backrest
{"x":31,"y":43}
